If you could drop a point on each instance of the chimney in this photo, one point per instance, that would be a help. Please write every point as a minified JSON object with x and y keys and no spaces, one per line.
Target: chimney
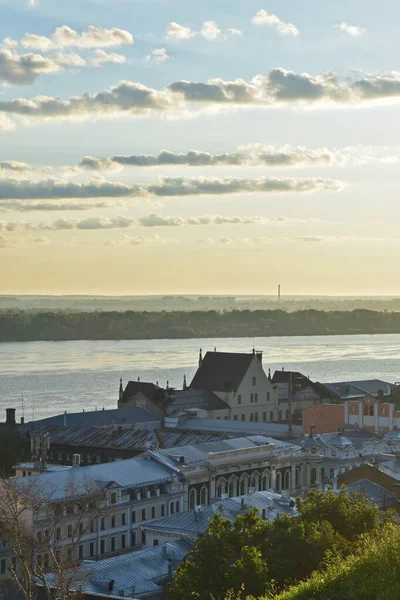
{"x":10,"y":417}
{"x":22,"y":420}
{"x":121,"y":391}
{"x":200,"y":358}
{"x":380,"y":396}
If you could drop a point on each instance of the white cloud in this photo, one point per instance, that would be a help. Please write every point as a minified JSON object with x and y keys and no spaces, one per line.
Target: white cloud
{"x":352,"y":30}
{"x":9,"y":43}
{"x":21,"y":241}
{"x":179,"y":32}
{"x":101,"y":58}
{"x":234,"y":31}
{"x":56,"y":206}
{"x":51,"y":188}
{"x":65,"y":37}
{"x":270,"y":20}
{"x":279,"y":87}
{"x":158,"y":55}
{"x":210,"y":30}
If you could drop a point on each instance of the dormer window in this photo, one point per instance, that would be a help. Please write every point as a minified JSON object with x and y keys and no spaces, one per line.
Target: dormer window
{"x":113,"y":498}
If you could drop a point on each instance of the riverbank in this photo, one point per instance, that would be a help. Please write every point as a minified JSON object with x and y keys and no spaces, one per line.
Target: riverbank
{"x":25,"y":326}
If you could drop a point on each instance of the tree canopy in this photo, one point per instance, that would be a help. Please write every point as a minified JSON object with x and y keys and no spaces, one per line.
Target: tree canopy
{"x":255,"y":557}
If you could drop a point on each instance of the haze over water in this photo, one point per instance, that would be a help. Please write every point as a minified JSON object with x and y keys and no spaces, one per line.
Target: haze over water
{"x":52,"y":377}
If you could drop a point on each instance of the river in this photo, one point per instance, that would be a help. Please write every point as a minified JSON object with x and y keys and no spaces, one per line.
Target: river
{"x":45,"y":378}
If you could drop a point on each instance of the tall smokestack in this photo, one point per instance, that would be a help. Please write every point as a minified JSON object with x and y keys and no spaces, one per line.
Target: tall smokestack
{"x":10,"y":417}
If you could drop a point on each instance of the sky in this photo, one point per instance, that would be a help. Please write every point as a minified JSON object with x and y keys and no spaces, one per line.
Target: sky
{"x":178,"y":146}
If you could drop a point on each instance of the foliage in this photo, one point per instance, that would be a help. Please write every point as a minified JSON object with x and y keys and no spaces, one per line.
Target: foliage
{"x":254,"y":557}
{"x":18,"y":325}
{"x":370,"y":573}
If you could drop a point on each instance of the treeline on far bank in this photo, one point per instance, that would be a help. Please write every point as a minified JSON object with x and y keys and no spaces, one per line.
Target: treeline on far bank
{"x":135,"y":325}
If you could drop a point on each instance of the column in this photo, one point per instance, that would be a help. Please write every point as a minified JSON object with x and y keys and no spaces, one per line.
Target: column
{"x":273,"y":479}
{"x":293,"y":478}
{"x":360,"y":413}
{"x":212,"y":488}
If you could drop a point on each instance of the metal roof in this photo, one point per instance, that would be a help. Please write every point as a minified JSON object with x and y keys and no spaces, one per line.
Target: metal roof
{"x":197,"y":521}
{"x":139,"y":471}
{"x":358,"y":389}
{"x":375,"y":493}
{"x":199,"y":454}
{"x":134,"y":574}
{"x":222,"y":371}
{"x":101,"y":418}
{"x":237,"y":427}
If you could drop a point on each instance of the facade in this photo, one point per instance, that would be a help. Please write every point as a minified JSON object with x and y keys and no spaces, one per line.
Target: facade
{"x":369,"y":413}
{"x":130,"y":493}
{"x":240,"y":381}
{"x":298,"y":390}
{"x":189,"y":525}
{"x":239,"y":466}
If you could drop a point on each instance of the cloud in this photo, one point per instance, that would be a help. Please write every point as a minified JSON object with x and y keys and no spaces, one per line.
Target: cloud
{"x":23,"y":69}
{"x":265,"y":18}
{"x":233,"y":31}
{"x":10,"y":43}
{"x":140,"y":240}
{"x":51,"y":188}
{"x":210,"y":30}
{"x":65,"y":37}
{"x":30,"y":206}
{"x":352,"y":30}
{"x":179,"y":32}
{"x":279,"y":87}
{"x":177,"y":186}
{"x":302,"y":239}
{"x":158,"y":55}
{"x":101,"y":58}
{"x":18,"y":241}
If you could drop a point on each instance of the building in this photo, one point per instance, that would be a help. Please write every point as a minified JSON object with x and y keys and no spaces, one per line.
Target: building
{"x":226,"y":385}
{"x":135,"y":575}
{"x":240,"y":381}
{"x":353,"y":390}
{"x":379,"y":481}
{"x":297,"y":392}
{"x":129,"y":492}
{"x":371,"y":413}
{"x":190,"y":524}
{"x":236,"y":467}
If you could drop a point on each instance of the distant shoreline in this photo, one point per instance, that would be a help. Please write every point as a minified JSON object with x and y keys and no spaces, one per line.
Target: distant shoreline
{"x":52,"y":326}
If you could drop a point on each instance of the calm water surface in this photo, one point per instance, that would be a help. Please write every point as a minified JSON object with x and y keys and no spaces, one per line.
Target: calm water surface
{"x":50,"y":377}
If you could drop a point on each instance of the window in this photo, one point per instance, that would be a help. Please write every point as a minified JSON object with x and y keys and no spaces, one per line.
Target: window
{"x":81,"y":528}
{"x":143,"y":537}
{"x":287,"y":413}
{"x":91,"y":549}
{"x":153,"y":512}
{"x":256,"y":417}
{"x":113,"y":545}
{"x":251,"y":397}
{"x":102,"y":546}
{"x":70,"y":531}
{"x":80,"y":552}
{"x":89,"y":459}
{"x":268,"y":396}
{"x":133,"y":538}
{"x":123,"y":541}
{"x":143,"y":514}
{"x":163,"y":510}
{"x":177,"y":506}
{"x":251,"y":417}
{"x":279,"y":415}
{"x":239,"y":399}
{"x":134,"y":516}
{"x":114,"y":498}
{"x":102,"y":524}
{"x":264,"y":416}
{"x":112,"y":522}
{"x":243,"y":417}
{"x":255,"y":397}
{"x":98,"y":459}
{"x":253,"y":381}
{"x":155,"y":542}
{"x":271,"y":416}
{"x":235,"y":417}
{"x":3,"y":566}
{"x":123,"y":519}
{"x":171,"y":508}
{"x":23,"y":473}
{"x":58,"y":533}
{"x":91,"y":526}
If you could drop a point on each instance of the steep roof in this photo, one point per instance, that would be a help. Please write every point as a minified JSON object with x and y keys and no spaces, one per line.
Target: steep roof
{"x":300,"y":380}
{"x":150,"y":390}
{"x":178,"y":400}
{"x":222,"y":371}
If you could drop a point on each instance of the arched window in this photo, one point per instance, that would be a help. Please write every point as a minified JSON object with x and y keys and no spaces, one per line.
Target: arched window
{"x":203,"y":495}
{"x":233,"y":487}
{"x":278,"y":482}
{"x":298,"y":477}
{"x":266,"y":481}
{"x":254,"y":381}
{"x":242,"y":487}
{"x":286,"y":480}
{"x":192,"y":498}
{"x":313,"y":476}
{"x":221,"y":487}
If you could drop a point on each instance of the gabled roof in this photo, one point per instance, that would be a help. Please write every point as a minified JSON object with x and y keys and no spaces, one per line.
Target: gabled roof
{"x":150,"y":390}
{"x":301,"y":381}
{"x":222,"y":371}
{"x":358,"y":389}
{"x":179,"y":400}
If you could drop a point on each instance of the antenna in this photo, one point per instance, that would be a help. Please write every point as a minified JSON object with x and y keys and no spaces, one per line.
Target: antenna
{"x":279,"y":291}
{"x":22,"y":406}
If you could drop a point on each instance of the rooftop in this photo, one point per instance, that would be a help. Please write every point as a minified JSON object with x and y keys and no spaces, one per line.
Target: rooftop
{"x":375,"y":493}
{"x":197,"y":521}
{"x":148,"y":389}
{"x":134,"y":574}
{"x":222,"y":371}
{"x":188,"y":423}
{"x":101,"y":418}
{"x":357,"y":389}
